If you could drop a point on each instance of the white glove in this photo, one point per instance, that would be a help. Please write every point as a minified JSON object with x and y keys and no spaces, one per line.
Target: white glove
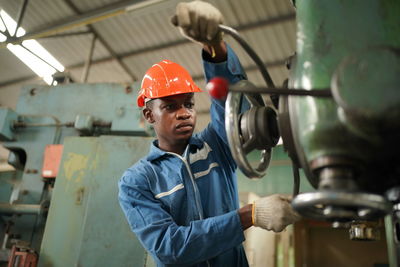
{"x":273,"y":213}
{"x":198,"y":21}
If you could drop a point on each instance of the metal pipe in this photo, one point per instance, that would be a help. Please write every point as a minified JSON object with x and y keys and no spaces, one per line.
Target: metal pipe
{"x":21,"y":15}
{"x":85,"y":72}
{"x":67,"y":34}
{"x":264,"y":72}
{"x":6,"y":208}
{"x":19,"y":124}
{"x":322,"y":92}
{"x":392,"y":245}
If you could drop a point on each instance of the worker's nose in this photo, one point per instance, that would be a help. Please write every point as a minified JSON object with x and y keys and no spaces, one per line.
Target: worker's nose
{"x":183,"y":113}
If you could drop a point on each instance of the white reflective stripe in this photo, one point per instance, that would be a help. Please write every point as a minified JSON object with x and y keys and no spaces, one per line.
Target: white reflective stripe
{"x":200,"y":174}
{"x":173,"y":190}
{"x":200,"y":154}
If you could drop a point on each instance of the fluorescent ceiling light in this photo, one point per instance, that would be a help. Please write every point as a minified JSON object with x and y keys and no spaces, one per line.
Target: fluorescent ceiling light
{"x":2,"y":37}
{"x":2,"y":26}
{"x":11,"y":24}
{"x":39,"y":50}
{"x":35,"y":56}
{"x":38,"y":66}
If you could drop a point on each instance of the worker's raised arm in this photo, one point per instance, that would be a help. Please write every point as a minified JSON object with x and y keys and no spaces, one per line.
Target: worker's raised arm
{"x":232,"y":71}
{"x":198,"y":21}
{"x":151,"y":221}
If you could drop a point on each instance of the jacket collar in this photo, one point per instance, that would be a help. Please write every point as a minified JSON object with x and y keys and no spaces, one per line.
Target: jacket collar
{"x":156,"y":152}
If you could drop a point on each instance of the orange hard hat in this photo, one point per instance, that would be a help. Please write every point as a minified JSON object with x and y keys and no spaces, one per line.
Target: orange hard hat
{"x":165,"y":78}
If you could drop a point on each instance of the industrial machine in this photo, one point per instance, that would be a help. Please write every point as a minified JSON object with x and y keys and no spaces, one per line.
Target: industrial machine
{"x":55,"y":135}
{"x":338,"y":115}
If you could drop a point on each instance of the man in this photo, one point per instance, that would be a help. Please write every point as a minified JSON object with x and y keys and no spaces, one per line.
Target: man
{"x":181,"y":200}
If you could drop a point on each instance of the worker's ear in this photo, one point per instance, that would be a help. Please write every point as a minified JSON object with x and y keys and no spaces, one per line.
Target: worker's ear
{"x":148,"y":115}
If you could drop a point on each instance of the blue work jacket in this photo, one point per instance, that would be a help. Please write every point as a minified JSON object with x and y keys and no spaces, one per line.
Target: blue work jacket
{"x":183,"y":208}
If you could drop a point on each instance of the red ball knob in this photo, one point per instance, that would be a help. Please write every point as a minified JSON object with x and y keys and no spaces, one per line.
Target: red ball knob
{"x":218,"y":88}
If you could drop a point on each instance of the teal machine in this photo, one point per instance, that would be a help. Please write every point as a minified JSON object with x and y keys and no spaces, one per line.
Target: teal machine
{"x":69,"y":145}
{"x":338,"y":115}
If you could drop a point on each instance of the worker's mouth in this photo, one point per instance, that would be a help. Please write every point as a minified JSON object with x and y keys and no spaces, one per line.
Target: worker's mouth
{"x":183,"y":127}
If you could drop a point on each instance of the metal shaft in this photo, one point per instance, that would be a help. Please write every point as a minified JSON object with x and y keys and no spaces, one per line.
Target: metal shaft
{"x":6,"y":208}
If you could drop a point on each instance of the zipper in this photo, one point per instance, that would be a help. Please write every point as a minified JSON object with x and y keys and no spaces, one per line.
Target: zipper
{"x":195,"y":188}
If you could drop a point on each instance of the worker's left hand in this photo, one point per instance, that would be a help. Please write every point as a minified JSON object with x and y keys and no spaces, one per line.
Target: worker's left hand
{"x":274,"y":212}
{"x":198,"y":21}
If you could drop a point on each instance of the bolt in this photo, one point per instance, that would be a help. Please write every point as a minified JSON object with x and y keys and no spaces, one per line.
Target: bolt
{"x":128,"y":89}
{"x":32,"y":92}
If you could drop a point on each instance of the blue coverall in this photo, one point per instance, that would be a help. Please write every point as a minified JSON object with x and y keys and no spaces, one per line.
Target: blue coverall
{"x":183,"y":208}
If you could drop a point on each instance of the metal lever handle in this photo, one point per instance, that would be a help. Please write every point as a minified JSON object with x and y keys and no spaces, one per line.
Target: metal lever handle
{"x":235,"y":35}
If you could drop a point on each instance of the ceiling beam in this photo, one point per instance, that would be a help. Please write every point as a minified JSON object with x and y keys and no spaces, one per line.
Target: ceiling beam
{"x":21,"y":15}
{"x":66,"y":34}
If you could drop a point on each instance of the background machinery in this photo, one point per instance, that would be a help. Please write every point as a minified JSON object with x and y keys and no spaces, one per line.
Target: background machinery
{"x":54,"y":132}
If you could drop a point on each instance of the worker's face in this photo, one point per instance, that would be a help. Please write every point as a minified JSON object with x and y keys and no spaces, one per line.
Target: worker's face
{"x":173,"y":118}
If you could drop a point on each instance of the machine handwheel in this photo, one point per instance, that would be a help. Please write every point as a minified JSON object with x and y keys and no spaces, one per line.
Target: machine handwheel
{"x":256,"y":129}
{"x":341,"y":206}
{"x":251,"y":132}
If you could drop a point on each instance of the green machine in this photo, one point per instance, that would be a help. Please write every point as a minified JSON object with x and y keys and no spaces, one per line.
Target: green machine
{"x":69,"y":144}
{"x":338,"y":115}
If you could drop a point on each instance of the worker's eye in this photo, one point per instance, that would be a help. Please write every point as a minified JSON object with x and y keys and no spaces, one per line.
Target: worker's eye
{"x":189,"y":105}
{"x":169,"y":106}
